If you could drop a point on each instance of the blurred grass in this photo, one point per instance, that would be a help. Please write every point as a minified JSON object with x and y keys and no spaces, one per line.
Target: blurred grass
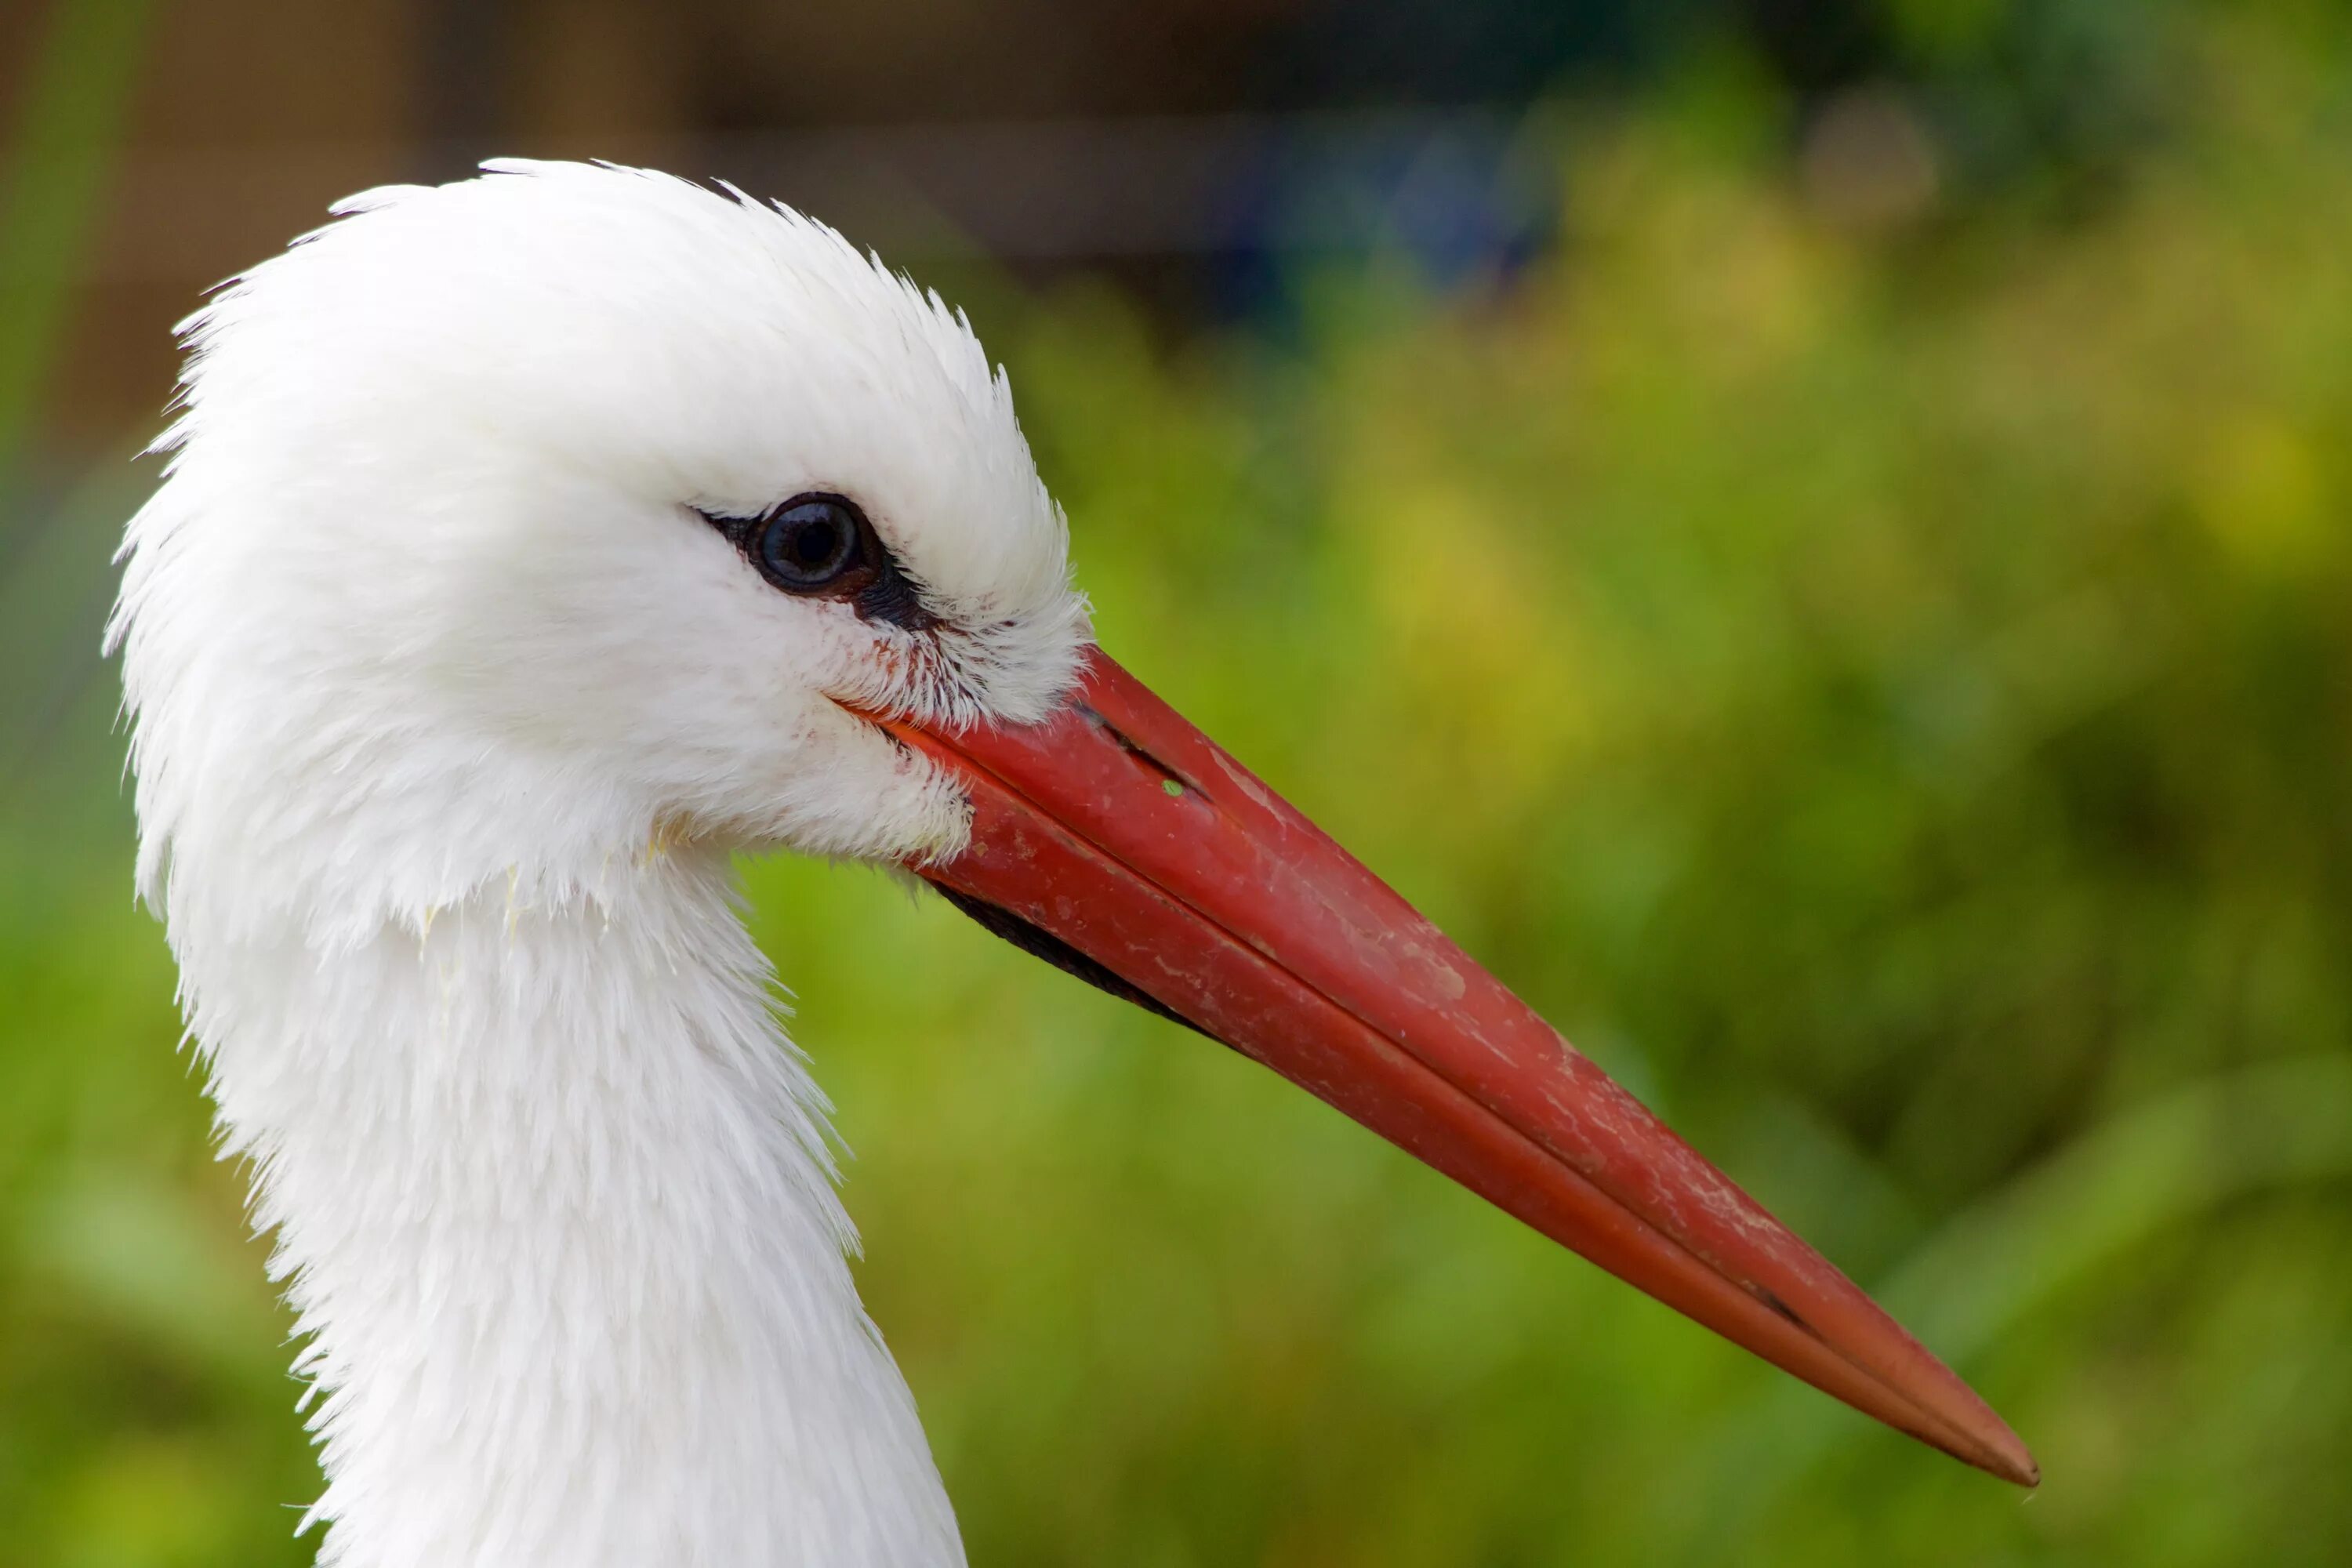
{"x":1886,"y":692}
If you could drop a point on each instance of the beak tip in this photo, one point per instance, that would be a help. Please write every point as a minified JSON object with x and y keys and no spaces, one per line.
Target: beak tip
{"x":1986,"y":1441}
{"x":2018,"y":1466}
{"x":1998,"y":1451}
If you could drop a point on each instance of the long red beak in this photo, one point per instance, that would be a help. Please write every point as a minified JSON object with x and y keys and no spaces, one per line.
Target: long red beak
{"x":1117,"y":839}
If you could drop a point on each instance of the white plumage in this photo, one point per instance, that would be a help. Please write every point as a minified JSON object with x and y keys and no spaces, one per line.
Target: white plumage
{"x":448,"y":711}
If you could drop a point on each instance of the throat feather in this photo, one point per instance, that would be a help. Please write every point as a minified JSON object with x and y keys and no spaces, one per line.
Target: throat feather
{"x":554,"y":1200}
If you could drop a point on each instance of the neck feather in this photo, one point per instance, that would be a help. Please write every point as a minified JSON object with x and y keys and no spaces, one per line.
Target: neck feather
{"x":554,"y":1200}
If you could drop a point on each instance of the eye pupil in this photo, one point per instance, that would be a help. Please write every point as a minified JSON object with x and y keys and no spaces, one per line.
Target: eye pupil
{"x":811,"y":544}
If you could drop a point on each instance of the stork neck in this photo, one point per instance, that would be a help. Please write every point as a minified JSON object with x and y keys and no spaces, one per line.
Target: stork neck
{"x":552,"y":1199}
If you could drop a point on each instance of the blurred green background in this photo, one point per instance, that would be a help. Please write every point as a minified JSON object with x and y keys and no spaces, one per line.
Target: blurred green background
{"x":1812,"y":539}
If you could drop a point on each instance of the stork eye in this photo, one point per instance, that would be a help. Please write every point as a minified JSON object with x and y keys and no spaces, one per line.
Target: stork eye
{"x":819,"y":545}
{"x":811,"y":544}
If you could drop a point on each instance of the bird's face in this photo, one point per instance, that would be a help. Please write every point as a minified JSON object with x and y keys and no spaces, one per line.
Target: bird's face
{"x":572,"y":506}
{"x":530,"y":518}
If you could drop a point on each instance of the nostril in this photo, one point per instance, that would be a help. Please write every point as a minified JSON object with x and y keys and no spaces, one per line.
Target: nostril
{"x":1176,"y":785}
{"x":1773,"y":1303}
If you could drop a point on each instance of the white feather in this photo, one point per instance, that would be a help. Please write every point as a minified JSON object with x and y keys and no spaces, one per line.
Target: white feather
{"x":448,"y":711}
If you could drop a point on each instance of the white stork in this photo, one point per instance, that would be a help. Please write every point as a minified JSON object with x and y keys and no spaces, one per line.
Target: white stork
{"x":530,"y":545}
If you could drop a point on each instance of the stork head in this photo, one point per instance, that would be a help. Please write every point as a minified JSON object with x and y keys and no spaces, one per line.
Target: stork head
{"x":515,"y":524}
{"x":524,"y":518}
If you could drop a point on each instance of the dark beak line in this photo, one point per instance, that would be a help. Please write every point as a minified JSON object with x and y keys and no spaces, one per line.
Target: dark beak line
{"x":1273,"y":940}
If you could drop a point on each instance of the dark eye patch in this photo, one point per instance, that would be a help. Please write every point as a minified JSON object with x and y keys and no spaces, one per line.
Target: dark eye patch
{"x":820,"y":545}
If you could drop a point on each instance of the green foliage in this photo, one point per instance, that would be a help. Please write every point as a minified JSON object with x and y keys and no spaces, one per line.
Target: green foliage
{"x":1886,"y":693}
